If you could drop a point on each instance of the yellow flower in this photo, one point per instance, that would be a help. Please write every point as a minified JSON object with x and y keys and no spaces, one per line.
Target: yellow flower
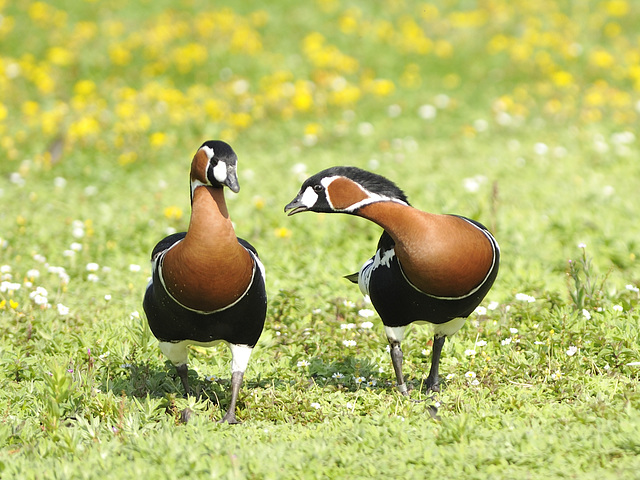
{"x":50,"y":122}
{"x":84,"y":31}
{"x":412,"y":37}
{"x":346,"y":96}
{"x":143,"y":122}
{"x":43,"y":80}
{"x":498,"y":43}
{"x":128,"y":158}
{"x":601,"y":58}
{"x":258,"y":202}
{"x":6,"y":26}
{"x":594,"y":98}
{"x":13,"y":304}
{"x":312,"y":129}
{"x":84,"y":88}
{"x":3,"y":303}
{"x":348,"y":22}
{"x":429,"y":12}
{"x":39,"y":11}
{"x":158,"y":139}
{"x":302,"y":98}
{"x":189,"y":56}
{"x":125,"y":110}
{"x":84,"y":127}
{"x":115,"y":28}
{"x":3,"y":112}
{"x":259,"y":18}
{"x":468,"y":19}
{"x":411,"y":78}
{"x":553,"y":106}
{"x":562,"y":78}
{"x":119,"y":55}
{"x":384,"y":30}
{"x":443,"y":49}
{"x":60,"y":56}
{"x":173,"y":213}
{"x":521,"y":51}
{"x":612,"y":29}
{"x":246,"y":40}
{"x":215,"y":109}
{"x":282,"y":232}
{"x":240,"y":120}
{"x":382,"y":87}
{"x":228,"y":134}
{"x":617,"y":8}
{"x":451,"y":81}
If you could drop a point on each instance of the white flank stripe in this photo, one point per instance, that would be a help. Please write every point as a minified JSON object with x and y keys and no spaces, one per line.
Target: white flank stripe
{"x":395,"y":334}
{"x":239,"y":357}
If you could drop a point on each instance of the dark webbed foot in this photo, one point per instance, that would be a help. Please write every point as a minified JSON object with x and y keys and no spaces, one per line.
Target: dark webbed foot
{"x":432,"y":384}
{"x":185,"y":415}
{"x":230,"y":418}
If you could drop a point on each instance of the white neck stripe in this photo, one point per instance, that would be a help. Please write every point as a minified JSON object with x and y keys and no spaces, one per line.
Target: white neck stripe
{"x":371,"y":197}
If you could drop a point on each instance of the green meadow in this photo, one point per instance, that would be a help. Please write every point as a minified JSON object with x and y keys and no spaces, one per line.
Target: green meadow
{"x":521,"y":115}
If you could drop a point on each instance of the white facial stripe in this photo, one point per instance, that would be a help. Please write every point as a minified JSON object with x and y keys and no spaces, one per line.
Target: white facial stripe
{"x":326,"y":181}
{"x":208,"y":151}
{"x":220,"y":172}
{"x":309,"y":197}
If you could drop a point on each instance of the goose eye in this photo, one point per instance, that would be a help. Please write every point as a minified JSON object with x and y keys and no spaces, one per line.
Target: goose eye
{"x":318,"y":188}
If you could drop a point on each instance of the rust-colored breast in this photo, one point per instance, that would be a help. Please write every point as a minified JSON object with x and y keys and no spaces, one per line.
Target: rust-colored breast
{"x":445,"y":255}
{"x":207,"y":284}
{"x":442,"y":255}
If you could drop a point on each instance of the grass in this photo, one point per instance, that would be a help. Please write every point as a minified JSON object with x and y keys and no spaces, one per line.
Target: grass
{"x":518,"y":115}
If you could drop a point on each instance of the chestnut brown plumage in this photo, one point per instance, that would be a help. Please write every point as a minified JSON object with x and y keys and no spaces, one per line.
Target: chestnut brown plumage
{"x":208,"y":285}
{"x":427,"y":268}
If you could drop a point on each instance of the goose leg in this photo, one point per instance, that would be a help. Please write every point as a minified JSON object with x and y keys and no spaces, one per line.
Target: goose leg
{"x":183,"y":373}
{"x":396,"y":360}
{"x":236,"y":383}
{"x":395,"y":335}
{"x":240,"y":355}
{"x":433,"y":380}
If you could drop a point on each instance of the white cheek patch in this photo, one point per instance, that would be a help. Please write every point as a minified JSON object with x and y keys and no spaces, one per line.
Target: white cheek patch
{"x":220,"y":172}
{"x":309,"y":197}
{"x":208,"y":151}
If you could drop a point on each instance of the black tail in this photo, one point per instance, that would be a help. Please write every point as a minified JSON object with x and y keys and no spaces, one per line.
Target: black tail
{"x":353,"y":277}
